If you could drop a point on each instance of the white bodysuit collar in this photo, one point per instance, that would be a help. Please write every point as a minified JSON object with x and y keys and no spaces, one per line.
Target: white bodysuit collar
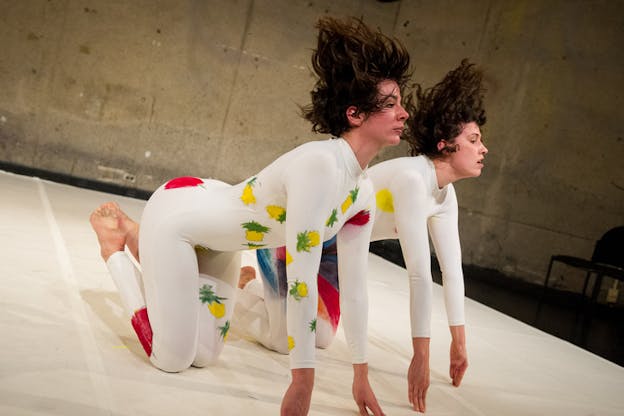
{"x":351,"y":162}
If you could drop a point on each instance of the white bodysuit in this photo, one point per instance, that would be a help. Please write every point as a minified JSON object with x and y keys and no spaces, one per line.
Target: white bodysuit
{"x":409,"y":203}
{"x":410,"y":207}
{"x":300,"y":200}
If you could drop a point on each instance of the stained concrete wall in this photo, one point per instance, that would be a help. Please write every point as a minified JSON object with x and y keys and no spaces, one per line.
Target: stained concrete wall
{"x":136,"y":92}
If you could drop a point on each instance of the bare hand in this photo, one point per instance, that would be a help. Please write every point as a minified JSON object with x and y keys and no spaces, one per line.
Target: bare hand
{"x":418,"y":382}
{"x":296,"y":401}
{"x":363,"y":393}
{"x":459,"y":362}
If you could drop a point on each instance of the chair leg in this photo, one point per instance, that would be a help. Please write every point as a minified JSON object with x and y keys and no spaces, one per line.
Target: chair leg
{"x":596,"y":289}
{"x":589,"y":311}
{"x":580,"y":319}
{"x":586,"y":283}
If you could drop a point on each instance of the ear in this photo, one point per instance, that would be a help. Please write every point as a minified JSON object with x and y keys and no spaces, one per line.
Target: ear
{"x":354,"y":116}
{"x":442,"y":145}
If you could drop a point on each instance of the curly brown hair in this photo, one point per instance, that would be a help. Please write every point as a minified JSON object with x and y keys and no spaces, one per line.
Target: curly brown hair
{"x":350,"y":61}
{"x":440,"y":112}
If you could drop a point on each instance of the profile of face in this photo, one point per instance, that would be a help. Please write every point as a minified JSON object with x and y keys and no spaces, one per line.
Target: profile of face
{"x":467,"y":160}
{"x":386,"y":125}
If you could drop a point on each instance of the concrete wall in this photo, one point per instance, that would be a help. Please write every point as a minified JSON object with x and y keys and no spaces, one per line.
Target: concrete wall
{"x":136,"y":92}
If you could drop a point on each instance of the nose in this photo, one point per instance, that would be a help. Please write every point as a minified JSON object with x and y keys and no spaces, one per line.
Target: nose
{"x":484,"y":150}
{"x":403,"y":115}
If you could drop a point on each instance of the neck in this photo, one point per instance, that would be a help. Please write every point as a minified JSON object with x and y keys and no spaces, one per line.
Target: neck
{"x":444,"y":172}
{"x":363,"y":149}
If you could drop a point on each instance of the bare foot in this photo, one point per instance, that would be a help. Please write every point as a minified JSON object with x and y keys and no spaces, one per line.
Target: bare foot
{"x":105,"y":223}
{"x":131,"y":228}
{"x":247,"y":274}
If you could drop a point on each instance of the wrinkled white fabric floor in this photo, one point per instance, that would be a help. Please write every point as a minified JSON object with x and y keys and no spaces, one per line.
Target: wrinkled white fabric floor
{"x":67,"y":349}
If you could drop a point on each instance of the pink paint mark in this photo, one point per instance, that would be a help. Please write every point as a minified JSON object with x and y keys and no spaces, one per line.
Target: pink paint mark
{"x":280,"y":253}
{"x":331,"y":299}
{"x":143,"y":329}
{"x":183,"y":182}
{"x":361,"y":218}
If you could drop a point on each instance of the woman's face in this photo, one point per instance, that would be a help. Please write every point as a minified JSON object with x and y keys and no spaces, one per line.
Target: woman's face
{"x":467,"y":160}
{"x":386,"y":126}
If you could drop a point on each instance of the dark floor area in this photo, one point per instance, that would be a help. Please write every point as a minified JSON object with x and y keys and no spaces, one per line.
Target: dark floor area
{"x":598,"y":328}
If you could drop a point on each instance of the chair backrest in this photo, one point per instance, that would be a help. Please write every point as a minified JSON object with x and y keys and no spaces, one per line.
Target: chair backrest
{"x":610,"y":248}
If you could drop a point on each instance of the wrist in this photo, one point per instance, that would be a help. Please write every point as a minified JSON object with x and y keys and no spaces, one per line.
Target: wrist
{"x":458,"y":334}
{"x":420,"y":346}
{"x":303,"y":376}
{"x":360,"y":370}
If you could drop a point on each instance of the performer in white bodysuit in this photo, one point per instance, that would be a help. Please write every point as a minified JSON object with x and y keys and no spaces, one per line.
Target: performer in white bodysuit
{"x":415,"y":199}
{"x":192,"y":229}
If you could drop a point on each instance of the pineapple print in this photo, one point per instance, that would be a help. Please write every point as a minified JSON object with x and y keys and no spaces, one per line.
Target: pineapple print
{"x":254,"y":233}
{"x":277,"y":213}
{"x":350,"y":199}
{"x":298,"y":290}
{"x":225,"y":330}
{"x":313,"y":325}
{"x":248,"y":196}
{"x":332,"y":218}
{"x":291,"y":343}
{"x":207,"y":295}
{"x":307,"y":239}
{"x":384,"y":200}
{"x":289,"y":258}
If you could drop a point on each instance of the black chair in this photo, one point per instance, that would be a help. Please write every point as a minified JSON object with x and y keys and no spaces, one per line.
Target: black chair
{"x":607,"y":260}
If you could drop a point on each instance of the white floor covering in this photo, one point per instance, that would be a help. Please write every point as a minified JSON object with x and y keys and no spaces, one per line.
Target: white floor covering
{"x":67,"y":349}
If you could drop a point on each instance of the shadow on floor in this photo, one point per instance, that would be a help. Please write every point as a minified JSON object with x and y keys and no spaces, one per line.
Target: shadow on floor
{"x":598,"y":328}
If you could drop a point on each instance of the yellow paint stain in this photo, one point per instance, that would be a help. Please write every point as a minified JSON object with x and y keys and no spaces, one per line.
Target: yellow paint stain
{"x":385,"y":201}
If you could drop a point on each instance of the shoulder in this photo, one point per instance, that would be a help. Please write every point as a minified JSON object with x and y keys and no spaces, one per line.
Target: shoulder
{"x":317,"y":155}
{"x":451,"y":196}
{"x":402,"y":166}
{"x":401,"y":171}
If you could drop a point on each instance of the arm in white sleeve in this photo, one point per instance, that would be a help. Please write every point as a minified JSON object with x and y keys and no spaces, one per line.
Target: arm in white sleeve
{"x":445,"y":237}
{"x":409,"y":191}
{"x":308,"y":188}
{"x":352,"y":244}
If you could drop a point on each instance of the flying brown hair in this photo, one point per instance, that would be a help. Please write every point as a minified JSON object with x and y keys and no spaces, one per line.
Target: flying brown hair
{"x":440,"y":112}
{"x":350,"y":60}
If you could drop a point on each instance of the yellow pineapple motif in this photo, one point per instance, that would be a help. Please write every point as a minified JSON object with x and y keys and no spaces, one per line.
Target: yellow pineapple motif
{"x":333,"y":217}
{"x":254,"y":233}
{"x":289,"y":258}
{"x":385,"y":201}
{"x":225,"y":330}
{"x":307,"y":240}
{"x":277,"y":213}
{"x":248,"y":196}
{"x":207,"y":295}
{"x":291,"y":343}
{"x":350,"y":199}
{"x":217,"y":309}
{"x":298,"y":290}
